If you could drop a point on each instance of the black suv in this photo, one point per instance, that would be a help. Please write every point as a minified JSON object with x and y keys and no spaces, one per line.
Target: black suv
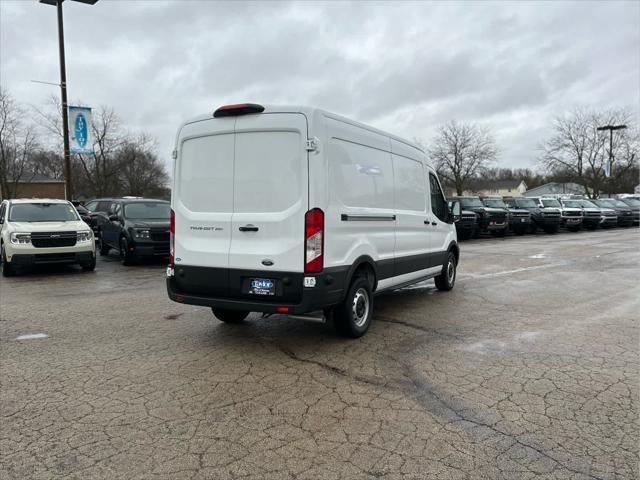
{"x":136,"y":227}
{"x":98,"y":207}
{"x":634,"y":205}
{"x":548,"y":219}
{"x":467,"y":224}
{"x":519,"y":218}
{"x":492,"y":220}
{"x":625,"y":214}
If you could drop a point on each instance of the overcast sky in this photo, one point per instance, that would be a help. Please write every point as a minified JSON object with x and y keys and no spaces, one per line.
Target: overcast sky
{"x":402,"y":67}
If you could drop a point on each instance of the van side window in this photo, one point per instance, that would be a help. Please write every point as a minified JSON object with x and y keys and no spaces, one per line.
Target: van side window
{"x":438,"y":202}
{"x":409,"y":184}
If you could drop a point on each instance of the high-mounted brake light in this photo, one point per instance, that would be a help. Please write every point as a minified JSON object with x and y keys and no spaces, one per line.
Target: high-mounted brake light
{"x":172,"y":236}
{"x":238,"y":109}
{"x":314,"y":241}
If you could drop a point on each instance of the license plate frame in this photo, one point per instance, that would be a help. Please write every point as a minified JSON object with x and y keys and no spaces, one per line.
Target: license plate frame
{"x":262,"y":286}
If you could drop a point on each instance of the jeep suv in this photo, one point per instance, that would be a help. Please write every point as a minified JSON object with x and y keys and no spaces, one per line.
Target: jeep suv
{"x":570,"y":218}
{"x":39,"y":231}
{"x":591,"y":215}
{"x":634,"y":205}
{"x":624,"y":213}
{"x":467,"y":224}
{"x":136,"y":227}
{"x":548,"y":219}
{"x":519,"y":219}
{"x":492,"y":220}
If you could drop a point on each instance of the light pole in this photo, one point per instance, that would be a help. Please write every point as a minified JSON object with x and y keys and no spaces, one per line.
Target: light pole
{"x":63,"y":88}
{"x":611,"y":128}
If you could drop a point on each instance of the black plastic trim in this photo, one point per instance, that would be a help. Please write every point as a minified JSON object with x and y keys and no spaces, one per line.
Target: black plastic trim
{"x":367,"y":218}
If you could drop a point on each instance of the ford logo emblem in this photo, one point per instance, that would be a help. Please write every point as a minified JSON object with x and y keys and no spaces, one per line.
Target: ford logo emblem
{"x":267,"y":263}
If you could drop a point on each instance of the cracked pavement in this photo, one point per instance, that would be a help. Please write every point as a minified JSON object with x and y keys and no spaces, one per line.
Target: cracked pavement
{"x":529,"y":368}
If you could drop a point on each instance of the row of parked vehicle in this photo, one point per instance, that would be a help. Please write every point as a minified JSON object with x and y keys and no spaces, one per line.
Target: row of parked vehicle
{"x":519,"y":215}
{"x":45,"y":231}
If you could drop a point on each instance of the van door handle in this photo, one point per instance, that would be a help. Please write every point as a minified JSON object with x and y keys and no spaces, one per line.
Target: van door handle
{"x":427,"y":222}
{"x":248,"y":228}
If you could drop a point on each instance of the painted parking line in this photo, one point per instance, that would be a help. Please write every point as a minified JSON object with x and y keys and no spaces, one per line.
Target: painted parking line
{"x":32,"y":336}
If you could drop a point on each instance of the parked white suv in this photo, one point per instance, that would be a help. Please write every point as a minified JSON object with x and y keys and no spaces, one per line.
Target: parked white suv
{"x":37,"y":231}
{"x":295,"y":210}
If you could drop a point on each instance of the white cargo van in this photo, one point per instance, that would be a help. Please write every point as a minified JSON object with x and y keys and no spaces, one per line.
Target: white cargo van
{"x":294,"y":210}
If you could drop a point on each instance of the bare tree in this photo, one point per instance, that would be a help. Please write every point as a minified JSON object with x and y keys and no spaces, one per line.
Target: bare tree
{"x":17,"y":144}
{"x":141,"y":172}
{"x":461,"y":151}
{"x":580,"y":151}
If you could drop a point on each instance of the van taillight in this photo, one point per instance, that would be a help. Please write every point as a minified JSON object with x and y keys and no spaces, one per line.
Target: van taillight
{"x":314,"y":241}
{"x":172,"y":236}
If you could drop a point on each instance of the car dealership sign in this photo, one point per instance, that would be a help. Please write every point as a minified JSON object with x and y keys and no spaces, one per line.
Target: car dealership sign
{"x":81,"y":140}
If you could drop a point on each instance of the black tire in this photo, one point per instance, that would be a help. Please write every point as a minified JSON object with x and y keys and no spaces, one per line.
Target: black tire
{"x":591,"y":227}
{"x":230,"y":316}
{"x":89,"y":266}
{"x":573,"y":229}
{"x":352,"y":318}
{"x":447,"y":279}
{"x":520,"y":231}
{"x":8,"y":270}
{"x":499,"y":233}
{"x":551,"y":229}
{"x":533,"y":228}
{"x":126,"y":258}
{"x":104,"y":248}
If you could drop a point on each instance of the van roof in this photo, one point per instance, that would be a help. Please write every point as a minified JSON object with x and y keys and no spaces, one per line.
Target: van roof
{"x":310,"y":112}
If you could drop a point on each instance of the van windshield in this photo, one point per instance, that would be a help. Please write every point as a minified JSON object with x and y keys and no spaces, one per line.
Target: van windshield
{"x":42,"y":212}
{"x":145,"y":210}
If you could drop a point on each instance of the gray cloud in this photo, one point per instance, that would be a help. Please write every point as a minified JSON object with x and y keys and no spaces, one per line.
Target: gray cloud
{"x":403,"y":67}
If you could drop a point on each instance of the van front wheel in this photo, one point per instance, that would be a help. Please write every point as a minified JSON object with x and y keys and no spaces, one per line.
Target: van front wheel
{"x":229,"y":316}
{"x":447,"y":279}
{"x":352,"y":317}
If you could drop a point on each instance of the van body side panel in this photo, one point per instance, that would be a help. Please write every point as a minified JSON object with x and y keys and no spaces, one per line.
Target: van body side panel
{"x":203,"y":192}
{"x":360,"y":217}
{"x":270,"y":192}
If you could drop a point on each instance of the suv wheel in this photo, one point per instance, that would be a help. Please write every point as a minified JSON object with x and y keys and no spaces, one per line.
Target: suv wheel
{"x":126,"y":258}
{"x":89,"y":266}
{"x":229,"y":316}
{"x":352,"y":317}
{"x":447,"y":279}
{"x":8,"y":270}
{"x":104,"y":248}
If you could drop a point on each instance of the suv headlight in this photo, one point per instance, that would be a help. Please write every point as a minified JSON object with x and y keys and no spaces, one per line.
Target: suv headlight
{"x":84,"y":236}
{"x":141,"y":233}
{"x":20,"y":238}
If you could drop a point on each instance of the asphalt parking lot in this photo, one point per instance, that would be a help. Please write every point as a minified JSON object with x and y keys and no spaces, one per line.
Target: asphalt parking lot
{"x":529,"y":368}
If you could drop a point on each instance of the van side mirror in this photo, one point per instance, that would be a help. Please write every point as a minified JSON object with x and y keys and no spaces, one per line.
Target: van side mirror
{"x":455,"y":210}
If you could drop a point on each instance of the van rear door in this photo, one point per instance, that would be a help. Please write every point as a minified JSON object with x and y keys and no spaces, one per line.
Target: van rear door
{"x":203,"y":193}
{"x":270,"y":192}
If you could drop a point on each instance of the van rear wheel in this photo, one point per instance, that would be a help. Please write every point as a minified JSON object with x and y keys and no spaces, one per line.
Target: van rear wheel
{"x":230,"y":316}
{"x":352,"y":317}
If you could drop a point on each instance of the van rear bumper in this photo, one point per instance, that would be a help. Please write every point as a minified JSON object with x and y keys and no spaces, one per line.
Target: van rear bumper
{"x":328,"y":291}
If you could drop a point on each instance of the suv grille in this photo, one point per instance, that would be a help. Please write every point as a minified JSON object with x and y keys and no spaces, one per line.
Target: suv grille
{"x":551,"y":214}
{"x":159,"y":235}
{"x":572,"y":214}
{"x":53,"y":239}
{"x":521,"y":214}
{"x":592,"y":214}
{"x":497,"y":217}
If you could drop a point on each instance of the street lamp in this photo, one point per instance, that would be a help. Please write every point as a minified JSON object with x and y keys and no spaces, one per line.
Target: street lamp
{"x":63,"y":88}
